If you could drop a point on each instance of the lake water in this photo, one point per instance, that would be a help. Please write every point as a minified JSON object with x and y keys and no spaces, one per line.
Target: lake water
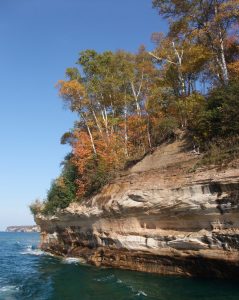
{"x":28,"y":273}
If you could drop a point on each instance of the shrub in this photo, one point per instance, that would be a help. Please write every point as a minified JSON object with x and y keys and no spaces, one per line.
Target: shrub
{"x":219,"y":119}
{"x":98,"y":175}
{"x":36,"y":207}
{"x":221,"y":151}
{"x":62,"y":191}
{"x":163,"y":130}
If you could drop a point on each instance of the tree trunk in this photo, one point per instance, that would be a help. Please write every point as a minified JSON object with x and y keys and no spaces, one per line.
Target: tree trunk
{"x":223,"y":64}
{"x":136,"y":96}
{"x":97,"y":122}
{"x":125,"y":130}
{"x":90,"y":134}
{"x":148,"y":132}
{"x":225,"y":75}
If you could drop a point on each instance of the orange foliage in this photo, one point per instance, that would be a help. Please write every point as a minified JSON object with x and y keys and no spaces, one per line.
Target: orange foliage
{"x":73,"y":92}
{"x":234,"y":69}
{"x":109,"y":156}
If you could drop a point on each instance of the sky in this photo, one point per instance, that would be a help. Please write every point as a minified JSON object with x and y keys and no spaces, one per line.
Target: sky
{"x":39,"y":39}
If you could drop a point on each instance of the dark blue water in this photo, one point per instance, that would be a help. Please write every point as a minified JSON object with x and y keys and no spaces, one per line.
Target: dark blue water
{"x":28,"y":273}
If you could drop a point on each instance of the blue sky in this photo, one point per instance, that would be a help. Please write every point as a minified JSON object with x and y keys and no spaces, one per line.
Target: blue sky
{"x":39,"y":39}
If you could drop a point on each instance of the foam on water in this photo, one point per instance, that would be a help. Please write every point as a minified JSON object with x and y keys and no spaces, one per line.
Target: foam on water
{"x":73,"y":260}
{"x":8,"y":292}
{"x":137,"y":292}
{"x":9,"y":288}
{"x":30,"y":250}
{"x":141,"y":293}
{"x":27,"y":273}
{"x":106,"y":278}
{"x":113,"y":278}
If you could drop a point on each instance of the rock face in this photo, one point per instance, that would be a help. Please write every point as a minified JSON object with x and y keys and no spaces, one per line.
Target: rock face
{"x":23,"y":229}
{"x":158,"y":217}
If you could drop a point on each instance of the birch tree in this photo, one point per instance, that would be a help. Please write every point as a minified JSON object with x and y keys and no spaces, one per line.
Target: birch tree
{"x":207,"y":22}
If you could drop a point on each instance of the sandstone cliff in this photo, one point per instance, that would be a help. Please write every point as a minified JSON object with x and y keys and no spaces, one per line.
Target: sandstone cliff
{"x":156,"y":217}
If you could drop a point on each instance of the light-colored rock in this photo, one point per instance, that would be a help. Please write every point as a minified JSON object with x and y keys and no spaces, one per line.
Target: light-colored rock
{"x":159,"y":219}
{"x":31,"y":228}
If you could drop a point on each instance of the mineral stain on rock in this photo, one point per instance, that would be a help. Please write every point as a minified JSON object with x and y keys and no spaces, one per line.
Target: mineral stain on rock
{"x":157,"y":217}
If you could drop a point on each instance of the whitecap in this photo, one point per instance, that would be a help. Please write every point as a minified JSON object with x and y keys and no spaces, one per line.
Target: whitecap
{"x":138,"y":292}
{"x":73,"y":260}
{"x":105,"y":279}
{"x":30,"y":250}
{"x":141,"y":293}
{"x":8,"y":290}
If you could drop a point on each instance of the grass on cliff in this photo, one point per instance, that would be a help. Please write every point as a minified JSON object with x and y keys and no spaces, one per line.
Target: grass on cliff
{"x":220,"y":152}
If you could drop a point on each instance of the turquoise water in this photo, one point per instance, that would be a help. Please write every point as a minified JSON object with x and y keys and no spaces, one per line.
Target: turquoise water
{"x":28,"y":273}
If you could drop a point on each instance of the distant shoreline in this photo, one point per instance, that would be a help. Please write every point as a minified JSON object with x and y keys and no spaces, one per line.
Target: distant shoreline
{"x":27,"y":228}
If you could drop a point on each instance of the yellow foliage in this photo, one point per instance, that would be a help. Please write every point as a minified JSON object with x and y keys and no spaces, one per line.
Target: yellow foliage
{"x":73,"y":92}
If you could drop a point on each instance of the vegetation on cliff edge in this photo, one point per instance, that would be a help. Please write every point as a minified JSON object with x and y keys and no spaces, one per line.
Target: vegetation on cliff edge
{"x":129,"y":103}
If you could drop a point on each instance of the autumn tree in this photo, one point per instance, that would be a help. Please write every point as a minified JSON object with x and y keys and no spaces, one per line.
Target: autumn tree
{"x":181,"y":62}
{"x":110,"y":95}
{"x":129,"y":103}
{"x":207,"y":22}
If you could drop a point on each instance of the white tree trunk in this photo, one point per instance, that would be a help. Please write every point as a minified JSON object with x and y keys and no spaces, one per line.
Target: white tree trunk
{"x":223,"y":60}
{"x":89,"y":132}
{"x":125,"y":130}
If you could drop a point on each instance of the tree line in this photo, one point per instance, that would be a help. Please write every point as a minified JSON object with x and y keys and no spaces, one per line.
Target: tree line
{"x":129,"y":103}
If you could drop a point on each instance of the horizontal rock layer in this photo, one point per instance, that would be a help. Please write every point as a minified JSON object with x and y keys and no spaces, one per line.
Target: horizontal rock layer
{"x":163,"y":220}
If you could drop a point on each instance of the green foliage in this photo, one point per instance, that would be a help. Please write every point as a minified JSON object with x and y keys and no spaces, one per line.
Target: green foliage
{"x":189,"y":107}
{"x":98,"y":175}
{"x":129,"y":103}
{"x":207,"y":25}
{"x":73,"y":74}
{"x":62,"y":191}
{"x":164,"y":130}
{"x":219,"y":118}
{"x":221,"y":151}
{"x":212,"y":121}
{"x":36,"y":207}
